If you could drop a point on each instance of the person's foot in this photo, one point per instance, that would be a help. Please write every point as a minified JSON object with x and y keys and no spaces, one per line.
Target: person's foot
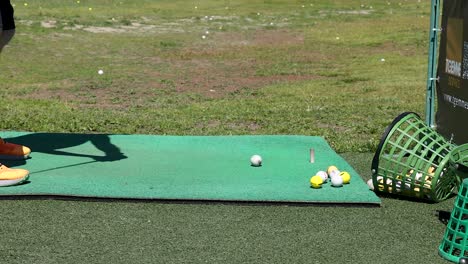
{"x":10,"y":151}
{"x":9,"y":177}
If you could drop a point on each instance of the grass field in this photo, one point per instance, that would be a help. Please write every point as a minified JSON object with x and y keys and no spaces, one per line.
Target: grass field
{"x":339,"y":69}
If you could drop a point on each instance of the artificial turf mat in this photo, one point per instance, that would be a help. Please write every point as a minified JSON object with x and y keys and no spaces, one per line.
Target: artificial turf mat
{"x":214,"y":168}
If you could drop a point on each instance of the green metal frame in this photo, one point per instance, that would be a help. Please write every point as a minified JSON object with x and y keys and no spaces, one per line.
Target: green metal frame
{"x":432,"y":64}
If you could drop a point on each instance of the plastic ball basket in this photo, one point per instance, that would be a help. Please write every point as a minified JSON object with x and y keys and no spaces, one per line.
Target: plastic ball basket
{"x":412,"y":160}
{"x":454,"y":245}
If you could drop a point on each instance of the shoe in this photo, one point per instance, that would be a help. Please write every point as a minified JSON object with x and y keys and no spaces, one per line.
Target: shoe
{"x":9,"y":177}
{"x":10,"y":151}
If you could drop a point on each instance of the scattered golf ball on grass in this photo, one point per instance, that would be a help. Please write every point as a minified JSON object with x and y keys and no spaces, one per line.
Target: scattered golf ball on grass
{"x":100,"y":72}
{"x":256,"y":160}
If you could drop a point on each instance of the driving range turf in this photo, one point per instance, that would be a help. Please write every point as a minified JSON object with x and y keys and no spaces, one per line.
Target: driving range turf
{"x":105,"y":231}
{"x":338,"y":69}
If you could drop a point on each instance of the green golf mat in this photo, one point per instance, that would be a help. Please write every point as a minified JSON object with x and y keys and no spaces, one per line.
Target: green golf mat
{"x":188,"y":168}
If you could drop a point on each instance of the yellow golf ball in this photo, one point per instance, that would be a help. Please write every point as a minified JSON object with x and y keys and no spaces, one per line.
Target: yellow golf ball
{"x":316,"y":181}
{"x":331,"y":168}
{"x":346,"y":177}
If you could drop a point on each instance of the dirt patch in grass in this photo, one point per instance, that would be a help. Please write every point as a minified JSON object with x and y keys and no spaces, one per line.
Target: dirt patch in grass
{"x":220,"y":85}
{"x":133,"y":27}
{"x":394,"y":48}
{"x":195,"y":70}
{"x":222,"y":68}
{"x":218,"y":79}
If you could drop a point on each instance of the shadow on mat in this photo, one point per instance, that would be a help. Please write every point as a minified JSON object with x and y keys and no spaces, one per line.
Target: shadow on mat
{"x":51,"y":143}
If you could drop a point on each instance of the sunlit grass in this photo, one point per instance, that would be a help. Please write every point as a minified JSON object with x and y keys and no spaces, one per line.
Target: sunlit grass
{"x":361,"y":65}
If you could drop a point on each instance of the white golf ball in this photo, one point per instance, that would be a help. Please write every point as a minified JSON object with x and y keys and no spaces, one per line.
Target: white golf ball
{"x":334,"y":173}
{"x":418,"y":176}
{"x":370,"y":183}
{"x":337,"y":181}
{"x":203,"y":37}
{"x":100,"y":72}
{"x":323,"y":175}
{"x":256,"y":160}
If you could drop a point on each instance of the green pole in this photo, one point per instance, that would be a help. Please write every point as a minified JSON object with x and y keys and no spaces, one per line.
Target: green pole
{"x":432,"y":64}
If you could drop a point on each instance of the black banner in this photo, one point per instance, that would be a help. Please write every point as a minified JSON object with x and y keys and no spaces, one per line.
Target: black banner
{"x":452,"y":87}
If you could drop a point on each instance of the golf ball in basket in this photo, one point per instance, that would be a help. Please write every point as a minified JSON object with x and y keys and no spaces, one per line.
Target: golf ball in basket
{"x":256,"y":160}
{"x":337,"y":181}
